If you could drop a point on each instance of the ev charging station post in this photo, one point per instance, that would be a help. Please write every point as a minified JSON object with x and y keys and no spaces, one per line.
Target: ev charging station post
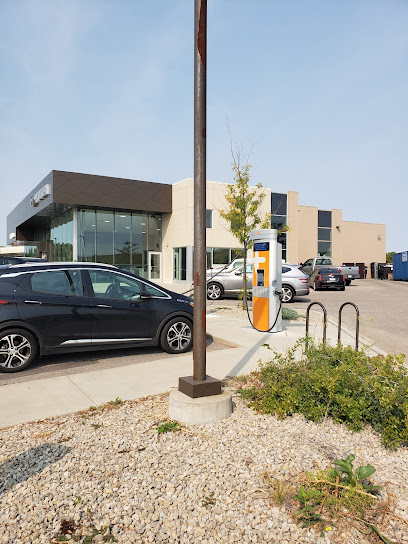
{"x":267,"y":280}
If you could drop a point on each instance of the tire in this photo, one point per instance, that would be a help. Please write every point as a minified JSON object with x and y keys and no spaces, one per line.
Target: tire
{"x":214,"y":291}
{"x":348,"y":282}
{"x":288,"y":293}
{"x":342,"y":288}
{"x":177,"y":335}
{"x":315,"y":286}
{"x":18,"y":349}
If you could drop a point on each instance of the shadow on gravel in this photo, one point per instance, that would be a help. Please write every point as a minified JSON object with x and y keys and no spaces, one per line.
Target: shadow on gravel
{"x":27,"y":464}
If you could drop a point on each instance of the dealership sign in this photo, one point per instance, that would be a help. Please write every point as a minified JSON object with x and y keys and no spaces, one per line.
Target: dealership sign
{"x":40,"y":195}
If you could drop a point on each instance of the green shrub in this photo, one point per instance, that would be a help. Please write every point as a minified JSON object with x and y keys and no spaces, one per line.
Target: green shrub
{"x":288,"y":314}
{"x":349,"y":386}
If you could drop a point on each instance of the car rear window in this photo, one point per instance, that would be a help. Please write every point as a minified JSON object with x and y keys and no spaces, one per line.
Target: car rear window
{"x":57,"y":282}
{"x":328,"y":271}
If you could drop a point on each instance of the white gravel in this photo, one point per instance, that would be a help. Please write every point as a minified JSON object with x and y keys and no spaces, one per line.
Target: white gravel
{"x":153,"y":488}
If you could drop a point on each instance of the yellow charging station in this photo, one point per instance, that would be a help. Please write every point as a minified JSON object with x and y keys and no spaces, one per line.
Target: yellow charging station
{"x":267,"y":280}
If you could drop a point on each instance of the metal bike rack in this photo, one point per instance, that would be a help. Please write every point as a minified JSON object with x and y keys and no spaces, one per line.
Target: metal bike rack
{"x":357,"y":322}
{"x":324,"y":320}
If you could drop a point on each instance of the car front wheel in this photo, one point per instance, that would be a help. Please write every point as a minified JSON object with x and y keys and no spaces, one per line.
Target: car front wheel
{"x":177,"y":335}
{"x":18,"y":350}
{"x":214,"y":291}
{"x":288,"y":294}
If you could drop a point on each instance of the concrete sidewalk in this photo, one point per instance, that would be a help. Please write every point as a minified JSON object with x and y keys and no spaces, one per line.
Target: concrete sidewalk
{"x":47,"y":397}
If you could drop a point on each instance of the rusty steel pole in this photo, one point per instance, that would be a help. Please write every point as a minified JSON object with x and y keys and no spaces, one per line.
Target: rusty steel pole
{"x":200,"y":126}
{"x":199,"y":384}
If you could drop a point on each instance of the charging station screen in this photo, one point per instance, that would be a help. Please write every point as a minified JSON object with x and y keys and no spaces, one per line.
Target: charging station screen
{"x":261,"y":246}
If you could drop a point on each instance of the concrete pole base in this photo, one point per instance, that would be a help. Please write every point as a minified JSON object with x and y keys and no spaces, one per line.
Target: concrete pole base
{"x":201,"y":410}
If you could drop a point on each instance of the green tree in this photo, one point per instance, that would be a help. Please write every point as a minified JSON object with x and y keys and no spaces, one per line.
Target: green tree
{"x":243,"y":209}
{"x":388,"y":256}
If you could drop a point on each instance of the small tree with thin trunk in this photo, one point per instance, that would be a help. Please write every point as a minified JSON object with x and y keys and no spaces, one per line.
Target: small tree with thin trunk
{"x":243,"y":209}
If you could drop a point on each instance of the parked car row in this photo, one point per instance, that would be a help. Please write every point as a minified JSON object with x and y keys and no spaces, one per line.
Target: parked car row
{"x":230,"y":281}
{"x":318,"y":273}
{"x":60,"y":307}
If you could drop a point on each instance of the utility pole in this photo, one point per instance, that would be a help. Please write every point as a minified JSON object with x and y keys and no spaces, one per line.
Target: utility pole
{"x":200,"y":385}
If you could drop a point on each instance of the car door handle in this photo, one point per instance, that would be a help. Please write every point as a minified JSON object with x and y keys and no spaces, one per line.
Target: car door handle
{"x":32,"y":302}
{"x":104,"y":306}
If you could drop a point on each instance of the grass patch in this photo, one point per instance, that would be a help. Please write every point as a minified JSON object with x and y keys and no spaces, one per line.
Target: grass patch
{"x":338,"y":382}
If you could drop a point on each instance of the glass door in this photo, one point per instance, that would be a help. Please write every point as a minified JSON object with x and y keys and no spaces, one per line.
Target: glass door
{"x":155,"y":266}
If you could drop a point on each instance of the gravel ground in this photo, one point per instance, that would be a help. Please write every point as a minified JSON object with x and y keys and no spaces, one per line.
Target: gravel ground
{"x":110,"y":469}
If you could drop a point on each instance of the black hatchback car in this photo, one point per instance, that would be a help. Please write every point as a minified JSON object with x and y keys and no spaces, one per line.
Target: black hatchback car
{"x":56,"y":307}
{"x":327,"y":278}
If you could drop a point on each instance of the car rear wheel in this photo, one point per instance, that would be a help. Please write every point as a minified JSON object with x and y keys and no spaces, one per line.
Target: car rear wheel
{"x":214,"y":291}
{"x":348,"y":282}
{"x":288,"y":294}
{"x":177,"y":335}
{"x":18,"y":350}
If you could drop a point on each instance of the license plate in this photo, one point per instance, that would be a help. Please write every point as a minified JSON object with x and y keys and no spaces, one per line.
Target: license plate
{"x":350,"y":276}
{"x":332,"y":279}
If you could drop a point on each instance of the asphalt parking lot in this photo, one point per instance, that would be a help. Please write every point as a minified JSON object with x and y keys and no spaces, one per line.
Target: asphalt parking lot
{"x":383,"y":307}
{"x":67,"y":364}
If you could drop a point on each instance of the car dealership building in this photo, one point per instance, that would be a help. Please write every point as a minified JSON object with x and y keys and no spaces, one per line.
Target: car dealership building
{"x":147,"y":227}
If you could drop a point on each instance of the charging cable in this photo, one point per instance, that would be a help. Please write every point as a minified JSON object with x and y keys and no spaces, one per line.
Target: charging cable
{"x":276,"y":318}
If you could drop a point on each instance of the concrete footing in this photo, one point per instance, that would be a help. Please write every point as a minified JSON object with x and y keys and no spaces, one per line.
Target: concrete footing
{"x":201,"y":410}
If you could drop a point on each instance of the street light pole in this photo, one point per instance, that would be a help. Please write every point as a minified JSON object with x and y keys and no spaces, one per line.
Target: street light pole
{"x":200,"y":178}
{"x":200,"y":385}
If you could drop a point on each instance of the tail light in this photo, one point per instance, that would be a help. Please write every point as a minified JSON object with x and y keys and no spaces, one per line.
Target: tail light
{"x":344,"y":279}
{"x":320,"y":278}
{"x":3,"y":301}
{"x":304,"y":280}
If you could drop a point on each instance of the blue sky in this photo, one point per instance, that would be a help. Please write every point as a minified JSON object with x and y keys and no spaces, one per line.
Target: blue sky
{"x":317,"y":88}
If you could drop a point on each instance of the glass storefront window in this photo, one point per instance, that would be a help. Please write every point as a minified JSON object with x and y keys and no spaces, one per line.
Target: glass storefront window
{"x":123,"y":238}
{"x":221,"y":255}
{"x":87,"y":235}
{"x":154,"y":233}
{"x":140,"y":225}
{"x":324,"y":235}
{"x":104,"y":236}
{"x":180,"y":263}
{"x":279,"y":203}
{"x":119,"y":237}
{"x":61,"y":237}
{"x":324,"y":219}
{"x":324,"y":249}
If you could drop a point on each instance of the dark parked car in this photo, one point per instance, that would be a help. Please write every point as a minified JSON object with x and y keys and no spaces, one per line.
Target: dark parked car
{"x":327,"y":278}
{"x":56,"y":307}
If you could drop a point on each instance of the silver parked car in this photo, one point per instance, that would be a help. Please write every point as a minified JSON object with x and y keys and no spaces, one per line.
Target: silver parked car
{"x":229,"y":282}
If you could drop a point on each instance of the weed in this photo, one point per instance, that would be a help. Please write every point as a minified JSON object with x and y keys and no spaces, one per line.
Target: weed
{"x":116,"y":402}
{"x":168,"y":427}
{"x":208,"y":500}
{"x":96,"y":425}
{"x":349,"y":386}
{"x":77,"y":500}
{"x":309,"y":500}
{"x":280,"y":489}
